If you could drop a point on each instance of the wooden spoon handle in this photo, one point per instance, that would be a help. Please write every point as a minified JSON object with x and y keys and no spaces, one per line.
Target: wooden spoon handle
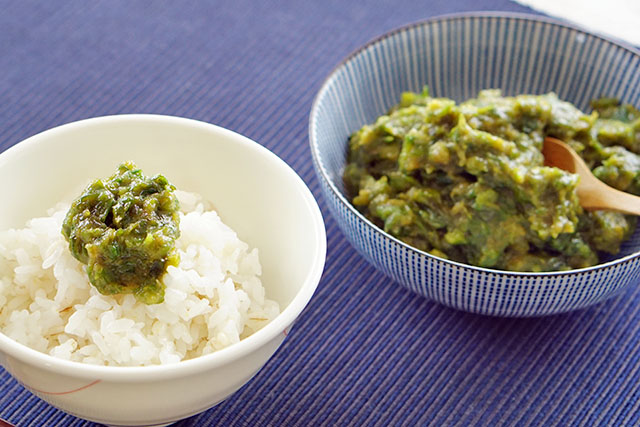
{"x":593,"y":193}
{"x":598,"y":195}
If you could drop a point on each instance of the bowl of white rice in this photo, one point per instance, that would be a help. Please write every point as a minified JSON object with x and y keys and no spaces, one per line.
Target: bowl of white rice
{"x":251,"y":252}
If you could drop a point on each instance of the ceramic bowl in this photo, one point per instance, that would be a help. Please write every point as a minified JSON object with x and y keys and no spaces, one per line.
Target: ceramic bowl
{"x":457,"y":56}
{"x":254,"y":192}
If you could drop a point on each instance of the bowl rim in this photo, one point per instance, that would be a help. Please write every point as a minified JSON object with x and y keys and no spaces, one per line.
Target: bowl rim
{"x":324,"y":175}
{"x":152,"y":373}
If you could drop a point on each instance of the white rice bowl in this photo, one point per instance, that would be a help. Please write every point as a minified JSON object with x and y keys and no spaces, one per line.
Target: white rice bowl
{"x":213,"y":298}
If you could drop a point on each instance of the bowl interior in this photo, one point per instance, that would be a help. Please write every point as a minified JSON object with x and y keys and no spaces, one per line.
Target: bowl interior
{"x":458,"y":56}
{"x":254,"y":191}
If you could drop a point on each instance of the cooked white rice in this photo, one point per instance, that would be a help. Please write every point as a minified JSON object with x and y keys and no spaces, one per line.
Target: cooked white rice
{"x":213,"y":298}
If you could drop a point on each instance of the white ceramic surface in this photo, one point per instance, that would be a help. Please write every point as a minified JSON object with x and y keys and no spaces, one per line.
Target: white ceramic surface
{"x":255,"y":193}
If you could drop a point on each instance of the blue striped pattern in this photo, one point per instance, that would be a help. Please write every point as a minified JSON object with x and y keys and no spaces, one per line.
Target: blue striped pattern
{"x":365,"y":351}
{"x":524,"y":55}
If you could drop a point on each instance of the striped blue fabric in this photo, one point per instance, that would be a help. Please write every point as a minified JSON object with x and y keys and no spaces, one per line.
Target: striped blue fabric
{"x":366,"y":351}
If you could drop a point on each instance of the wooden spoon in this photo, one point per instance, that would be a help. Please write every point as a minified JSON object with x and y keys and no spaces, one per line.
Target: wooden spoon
{"x":593,"y":193}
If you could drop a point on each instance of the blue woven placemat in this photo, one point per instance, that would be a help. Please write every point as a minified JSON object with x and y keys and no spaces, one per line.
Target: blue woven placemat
{"x":365,"y":351}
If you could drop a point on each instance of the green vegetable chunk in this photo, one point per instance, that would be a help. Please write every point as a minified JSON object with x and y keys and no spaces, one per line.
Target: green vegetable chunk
{"x":124,"y":229}
{"x":467,"y":181}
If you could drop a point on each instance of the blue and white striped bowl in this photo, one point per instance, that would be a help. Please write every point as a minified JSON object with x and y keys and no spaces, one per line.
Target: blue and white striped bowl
{"x":456,"y":56}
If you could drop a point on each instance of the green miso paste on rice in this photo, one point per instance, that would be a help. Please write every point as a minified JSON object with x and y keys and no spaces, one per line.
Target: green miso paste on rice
{"x":124,"y":229}
{"x":213,"y":295}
